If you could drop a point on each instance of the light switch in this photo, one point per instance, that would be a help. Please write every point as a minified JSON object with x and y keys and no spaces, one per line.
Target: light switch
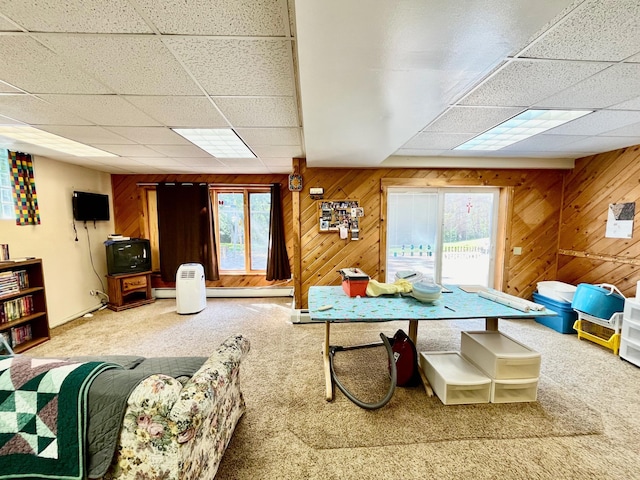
{"x":517,"y":250}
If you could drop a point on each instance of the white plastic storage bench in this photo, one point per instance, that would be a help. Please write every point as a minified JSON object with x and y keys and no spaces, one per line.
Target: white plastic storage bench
{"x":453,"y":379}
{"x":630,"y":336}
{"x":513,"y":367}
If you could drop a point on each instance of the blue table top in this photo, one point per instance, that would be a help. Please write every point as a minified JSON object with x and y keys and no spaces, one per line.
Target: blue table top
{"x":396,"y":307}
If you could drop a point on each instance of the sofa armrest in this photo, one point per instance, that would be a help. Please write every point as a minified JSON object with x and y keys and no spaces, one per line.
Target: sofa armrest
{"x":199,"y":395}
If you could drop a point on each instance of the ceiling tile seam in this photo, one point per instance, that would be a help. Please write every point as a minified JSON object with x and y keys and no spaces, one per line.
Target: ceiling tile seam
{"x":570,"y":12}
{"x":144,"y":18}
{"x":65,"y":58}
{"x":197,"y":83}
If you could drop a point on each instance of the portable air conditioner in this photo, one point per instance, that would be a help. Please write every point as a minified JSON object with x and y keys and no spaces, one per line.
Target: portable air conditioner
{"x":191,"y":292}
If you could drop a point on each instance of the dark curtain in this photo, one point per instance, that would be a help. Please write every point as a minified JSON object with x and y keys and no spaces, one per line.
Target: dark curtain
{"x":277,"y":260}
{"x":185,"y":229}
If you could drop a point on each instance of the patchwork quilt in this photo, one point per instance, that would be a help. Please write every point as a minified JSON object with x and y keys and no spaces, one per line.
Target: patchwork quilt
{"x":43,"y":416}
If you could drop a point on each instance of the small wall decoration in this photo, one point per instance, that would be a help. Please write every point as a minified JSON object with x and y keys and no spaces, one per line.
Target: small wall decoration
{"x":295,"y":182}
{"x":340,"y":216}
{"x":620,"y":220}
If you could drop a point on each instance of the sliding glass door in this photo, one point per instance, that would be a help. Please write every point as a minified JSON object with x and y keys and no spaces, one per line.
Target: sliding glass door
{"x":447,"y":234}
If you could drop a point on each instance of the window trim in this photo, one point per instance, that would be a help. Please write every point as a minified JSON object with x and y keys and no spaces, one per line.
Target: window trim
{"x":246,"y":191}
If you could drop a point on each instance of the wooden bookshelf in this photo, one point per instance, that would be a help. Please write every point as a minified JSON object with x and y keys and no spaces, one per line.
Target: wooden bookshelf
{"x":23,"y":315}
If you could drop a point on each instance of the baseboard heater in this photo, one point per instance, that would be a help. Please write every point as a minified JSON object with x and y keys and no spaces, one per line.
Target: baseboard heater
{"x":231,"y":292}
{"x":300,"y":315}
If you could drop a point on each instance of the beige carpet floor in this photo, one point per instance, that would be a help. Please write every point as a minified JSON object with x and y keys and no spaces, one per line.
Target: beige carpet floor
{"x":585,"y":424}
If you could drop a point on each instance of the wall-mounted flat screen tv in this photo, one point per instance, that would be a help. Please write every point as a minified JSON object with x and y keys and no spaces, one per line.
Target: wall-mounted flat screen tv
{"x":90,"y":206}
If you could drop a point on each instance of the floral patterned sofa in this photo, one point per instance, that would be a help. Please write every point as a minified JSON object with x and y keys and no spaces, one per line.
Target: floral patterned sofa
{"x":173,"y":431}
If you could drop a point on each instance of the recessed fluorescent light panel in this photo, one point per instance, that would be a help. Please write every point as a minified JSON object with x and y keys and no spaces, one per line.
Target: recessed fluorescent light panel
{"x":40,"y":138}
{"x":219,"y":142}
{"x":524,"y":125}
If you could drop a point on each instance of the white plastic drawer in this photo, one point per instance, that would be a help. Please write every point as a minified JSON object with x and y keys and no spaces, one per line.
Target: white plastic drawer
{"x":453,"y":379}
{"x":511,"y":391}
{"x":631,"y":330}
{"x":630,"y":351}
{"x":632,"y":309}
{"x":499,"y":356}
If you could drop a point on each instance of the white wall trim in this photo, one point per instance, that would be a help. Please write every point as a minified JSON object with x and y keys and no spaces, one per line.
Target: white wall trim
{"x":232,"y":292}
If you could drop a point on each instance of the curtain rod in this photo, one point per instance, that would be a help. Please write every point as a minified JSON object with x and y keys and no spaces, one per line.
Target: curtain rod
{"x":150,"y":184}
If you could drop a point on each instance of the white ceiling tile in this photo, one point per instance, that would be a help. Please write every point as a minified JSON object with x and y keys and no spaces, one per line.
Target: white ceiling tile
{"x":614,"y":85}
{"x":471,"y":119}
{"x":89,"y":135}
{"x":543,"y":142}
{"x":31,"y":66}
{"x":602,"y":30}
{"x":242,"y":163}
{"x":597,"y":123}
{"x":436,"y":141}
{"x":150,"y":135}
{"x":180,"y":151}
{"x":632,"y":130}
{"x":130,"y":150}
{"x":277,"y":162}
{"x":87,"y":16}
{"x":278,"y":169}
{"x":102,"y":109}
{"x":150,"y":67}
{"x":191,"y":112}
{"x":8,"y":121}
{"x":277,"y":151}
{"x":199,"y":162}
{"x":259,"y":111}
{"x":633,"y":104}
{"x":7,"y":26}
{"x":6,"y":88}
{"x":603,"y":143}
{"x":259,"y":66}
{"x":160,"y":162}
{"x":523,"y":83}
{"x":216,"y":17}
{"x":32,"y":110}
{"x":270,"y":136}
{"x":417,"y":152}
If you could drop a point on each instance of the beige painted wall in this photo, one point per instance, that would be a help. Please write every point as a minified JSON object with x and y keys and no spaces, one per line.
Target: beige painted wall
{"x":68,"y":264}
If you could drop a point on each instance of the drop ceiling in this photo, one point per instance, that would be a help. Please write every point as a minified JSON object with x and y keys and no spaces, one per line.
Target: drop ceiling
{"x":342,"y":83}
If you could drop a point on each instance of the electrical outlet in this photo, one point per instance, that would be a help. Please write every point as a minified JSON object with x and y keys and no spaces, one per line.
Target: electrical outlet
{"x":92,"y":293}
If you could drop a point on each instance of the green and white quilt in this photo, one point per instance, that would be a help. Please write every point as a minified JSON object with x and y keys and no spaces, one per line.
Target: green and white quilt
{"x":43,"y":415}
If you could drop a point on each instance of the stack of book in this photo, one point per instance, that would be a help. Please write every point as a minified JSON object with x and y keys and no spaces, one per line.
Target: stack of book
{"x":15,"y":309}
{"x":8,"y":283}
{"x":20,"y":334}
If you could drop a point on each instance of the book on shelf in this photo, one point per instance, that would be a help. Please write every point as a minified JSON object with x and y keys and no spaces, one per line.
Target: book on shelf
{"x":8,"y":283}
{"x":17,"y":308}
{"x":21,"y":334}
{"x":4,"y":252}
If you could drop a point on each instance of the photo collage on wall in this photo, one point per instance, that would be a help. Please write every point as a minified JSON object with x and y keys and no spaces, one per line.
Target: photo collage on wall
{"x":342,"y":216}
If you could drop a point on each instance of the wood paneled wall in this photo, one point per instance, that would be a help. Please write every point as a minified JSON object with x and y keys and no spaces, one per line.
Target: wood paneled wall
{"x":129,"y":213}
{"x":533,"y":222}
{"x":585,"y":254}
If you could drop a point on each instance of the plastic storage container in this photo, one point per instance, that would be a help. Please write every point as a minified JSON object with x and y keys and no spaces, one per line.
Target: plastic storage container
{"x":567,"y":316}
{"x":558,"y":291}
{"x":511,"y":391}
{"x":354,"y":282}
{"x":499,"y":356}
{"x":453,"y":379}
{"x":597,"y":301}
